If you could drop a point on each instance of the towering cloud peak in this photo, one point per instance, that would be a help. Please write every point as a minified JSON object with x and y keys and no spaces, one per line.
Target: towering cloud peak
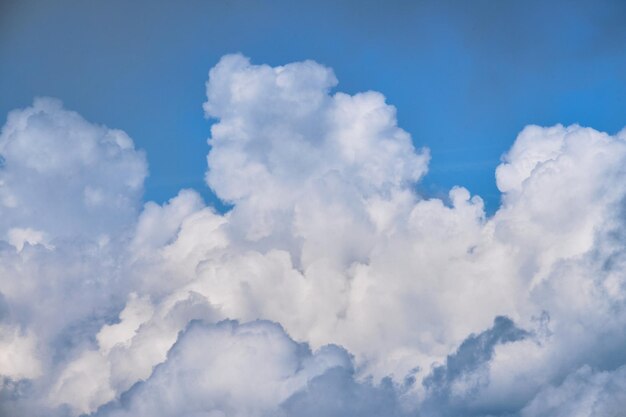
{"x":282,"y":137}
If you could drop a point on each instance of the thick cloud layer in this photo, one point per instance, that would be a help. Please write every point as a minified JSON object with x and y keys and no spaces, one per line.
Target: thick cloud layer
{"x":330,"y":288}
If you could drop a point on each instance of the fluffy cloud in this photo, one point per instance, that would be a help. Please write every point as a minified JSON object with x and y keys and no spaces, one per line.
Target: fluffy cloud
{"x":331,"y":287}
{"x":63,"y":176}
{"x":69,"y":190}
{"x":228,"y":369}
{"x":285,"y":147}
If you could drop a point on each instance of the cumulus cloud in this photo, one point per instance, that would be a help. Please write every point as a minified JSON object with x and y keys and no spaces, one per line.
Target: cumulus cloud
{"x":63,"y":176}
{"x":69,"y":190}
{"x":285,"y":147}
{"x":331,"y":287}
{"x":228,"y":369}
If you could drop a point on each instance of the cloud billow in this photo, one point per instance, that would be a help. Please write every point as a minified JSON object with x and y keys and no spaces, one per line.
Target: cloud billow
{"x":330,"y":288}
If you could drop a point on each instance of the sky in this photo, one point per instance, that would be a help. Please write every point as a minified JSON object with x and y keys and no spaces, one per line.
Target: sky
{"x":465,"y":78}
{"x":355,"y":209}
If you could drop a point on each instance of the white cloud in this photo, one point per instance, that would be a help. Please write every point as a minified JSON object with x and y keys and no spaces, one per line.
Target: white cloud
{"x":64,"y":176}
{"x":282,"y":137}
{"x":69,"y":191}
{"x":229,"y":369}
{"x":18,"y":356}
{"x":583,"y":393}
{"x":19,"y":237}
{"x":327,"y":237}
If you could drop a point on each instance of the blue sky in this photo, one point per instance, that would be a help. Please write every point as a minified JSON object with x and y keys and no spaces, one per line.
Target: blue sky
{"x":464,"y":76}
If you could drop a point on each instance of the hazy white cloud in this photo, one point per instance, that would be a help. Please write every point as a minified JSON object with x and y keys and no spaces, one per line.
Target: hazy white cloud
{"x":373,"y":301}
{"x":585,"y":392}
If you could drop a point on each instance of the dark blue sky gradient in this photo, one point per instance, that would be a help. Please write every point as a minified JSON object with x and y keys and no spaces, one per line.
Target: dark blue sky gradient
{"x":465,"y":76}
